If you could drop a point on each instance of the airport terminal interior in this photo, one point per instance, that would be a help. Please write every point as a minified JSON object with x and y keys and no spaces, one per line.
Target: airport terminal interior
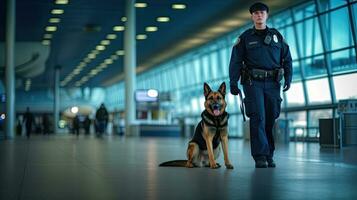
{"x":94,"y":95}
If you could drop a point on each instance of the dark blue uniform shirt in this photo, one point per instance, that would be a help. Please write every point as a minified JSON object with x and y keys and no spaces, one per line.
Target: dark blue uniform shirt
{"x":251,"y":50}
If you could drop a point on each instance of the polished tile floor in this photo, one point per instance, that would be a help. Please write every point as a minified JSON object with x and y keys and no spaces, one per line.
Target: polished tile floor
{"x":67,"y":167}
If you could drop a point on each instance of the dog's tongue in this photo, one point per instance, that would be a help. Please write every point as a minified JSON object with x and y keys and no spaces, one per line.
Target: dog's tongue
{"x":216,"y":112}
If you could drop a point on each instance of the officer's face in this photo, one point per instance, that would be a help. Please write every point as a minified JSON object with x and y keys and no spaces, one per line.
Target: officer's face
{"x":260,"y":16}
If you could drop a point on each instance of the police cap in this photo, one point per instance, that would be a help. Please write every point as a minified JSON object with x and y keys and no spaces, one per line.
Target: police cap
{"x":258,"y":6}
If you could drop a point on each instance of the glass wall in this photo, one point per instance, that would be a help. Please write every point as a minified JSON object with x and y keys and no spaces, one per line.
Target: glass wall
{"x":324,"y":64}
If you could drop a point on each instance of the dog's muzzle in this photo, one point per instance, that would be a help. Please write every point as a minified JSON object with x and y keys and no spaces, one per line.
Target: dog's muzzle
{"x":216,"y":108}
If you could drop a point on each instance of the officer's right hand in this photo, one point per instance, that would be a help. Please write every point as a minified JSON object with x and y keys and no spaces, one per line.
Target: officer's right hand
{"x":235,"y":90}
{"x":286,"y":86}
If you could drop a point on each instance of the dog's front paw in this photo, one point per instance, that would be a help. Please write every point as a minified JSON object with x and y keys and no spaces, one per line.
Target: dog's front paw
{"x":215,"y":166}
{"x":229,"y":166}
{"x":189,"y":165}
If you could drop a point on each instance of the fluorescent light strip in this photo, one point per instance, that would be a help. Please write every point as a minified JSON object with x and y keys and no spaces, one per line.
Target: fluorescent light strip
{"x":105,"y":42}
{"x":61,"y":2}
{"x":178,"y":6}
{"x":111,"y":36}
{"x":47,"y":36}
{"x":54,"y":20}
{"x":141,"y":37}
{"x":151,"y":29}
{"x":163,"y":19}
{"x":118,"y":28}
{"x":46,"y":42}
{"x":120,"y":52}
{"x":141,"y":5}
{"x":51,"y":28}
{"x":57,"y":11}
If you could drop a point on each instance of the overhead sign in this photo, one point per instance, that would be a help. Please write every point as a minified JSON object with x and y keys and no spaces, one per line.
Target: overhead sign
{"x":146,"y":95}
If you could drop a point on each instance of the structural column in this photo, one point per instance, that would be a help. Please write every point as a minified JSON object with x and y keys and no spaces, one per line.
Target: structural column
{"x":10,"y":68}
{"x":130,"y":65}
{"x":56,"y":99}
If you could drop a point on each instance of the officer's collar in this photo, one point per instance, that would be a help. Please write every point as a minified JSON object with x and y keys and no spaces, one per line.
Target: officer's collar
{"x":254,"y":31}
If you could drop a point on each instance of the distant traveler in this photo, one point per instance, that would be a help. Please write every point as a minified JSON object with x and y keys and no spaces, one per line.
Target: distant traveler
{"x":101,"y":117}
{"x":29,"y":121}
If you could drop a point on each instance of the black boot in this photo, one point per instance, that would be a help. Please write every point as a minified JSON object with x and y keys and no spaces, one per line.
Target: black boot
{"x":271,"y":163}
{"x":261,"y":162}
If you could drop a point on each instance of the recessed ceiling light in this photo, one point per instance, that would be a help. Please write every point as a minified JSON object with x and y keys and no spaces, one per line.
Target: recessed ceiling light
{"x":141,"y":5}
{"x":120,"y":52}
{"x":100,"y":47}
{"x":141,"y":37}
{"x":124,"y":19}
{"x":47,"y":36}
{"x":95,"y":51}
{"x":92,"y":55}
{"x":93,"y":72}
{"x":178,"y":6}
{"x":87,"y":60}
{"x":111,"y":36}
{"x":105,"y":42}
{"x":108,"y":61}
{"x":151,"y":28}
{"x":57,"y":11}
{"x":163,"y":19}
{"x":61,"y":2}
{"x":118,"y":28}
{"x":82,"y":64}
{"x":103,"y":65}
{"x":54,"y":20}
{"x":51,"y":28}
{"x":114,"y":57}
{"x":46,"y":42}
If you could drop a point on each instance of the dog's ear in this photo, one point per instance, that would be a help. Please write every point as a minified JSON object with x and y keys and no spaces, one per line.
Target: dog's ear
{"x":222,"y":89}
{"x":206,"y":89}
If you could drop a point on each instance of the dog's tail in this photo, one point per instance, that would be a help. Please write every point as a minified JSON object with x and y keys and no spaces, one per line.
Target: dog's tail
{"x":174,"y":163}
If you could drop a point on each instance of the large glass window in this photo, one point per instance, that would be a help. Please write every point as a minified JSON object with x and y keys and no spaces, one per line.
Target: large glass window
{"x":295,"y":95}
{"x":215,"y":68}
{"x":205,"y":68}
{"x":345,"y":86}
{"x":314,"y":66}
{"x":304,"y":11}
{"x":297,"y":124}
{"x":339,"y":34}
{"x":198,"y":73}
{"x":330,"y":4}
{"x":309,"y":37}
{"x":318,"y":91}
{"x":296,"y":71}
{"x":224,"y":61}
{"x":343,"y":61}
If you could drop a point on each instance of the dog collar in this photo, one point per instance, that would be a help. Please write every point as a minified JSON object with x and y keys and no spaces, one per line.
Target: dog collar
{"x":217,"y":122}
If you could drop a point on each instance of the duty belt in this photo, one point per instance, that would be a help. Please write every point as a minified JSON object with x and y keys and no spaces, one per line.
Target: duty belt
{"x":262,"y":74}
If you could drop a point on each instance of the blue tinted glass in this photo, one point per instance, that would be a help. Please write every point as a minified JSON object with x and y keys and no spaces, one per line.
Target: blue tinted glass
{"x":296,"y":71}
{"x":343,"y":61}
{"x":281,"y":20}
{"x":309,"y":37}
{"x":215,"y":70}
{"x":314,"y":66}
{"x":304,"y":11}
{"x":338,"y":29}
{"x":329,"y":4}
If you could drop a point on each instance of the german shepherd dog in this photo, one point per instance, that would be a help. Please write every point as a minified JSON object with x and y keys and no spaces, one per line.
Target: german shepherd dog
{"x":204,"y":148}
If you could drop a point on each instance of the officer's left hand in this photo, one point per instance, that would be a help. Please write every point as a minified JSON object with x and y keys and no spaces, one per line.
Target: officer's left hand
{"x":286,"y":86}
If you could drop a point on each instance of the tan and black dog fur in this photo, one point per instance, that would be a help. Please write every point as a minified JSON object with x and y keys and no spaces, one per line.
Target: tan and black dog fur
{"x":204,"y":148}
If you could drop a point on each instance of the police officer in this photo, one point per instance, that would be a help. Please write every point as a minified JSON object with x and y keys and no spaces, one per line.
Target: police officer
{"x":260,"y":59}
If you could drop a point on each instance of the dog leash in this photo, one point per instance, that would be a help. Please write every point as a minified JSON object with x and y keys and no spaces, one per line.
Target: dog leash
{"x":242,"y":105}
